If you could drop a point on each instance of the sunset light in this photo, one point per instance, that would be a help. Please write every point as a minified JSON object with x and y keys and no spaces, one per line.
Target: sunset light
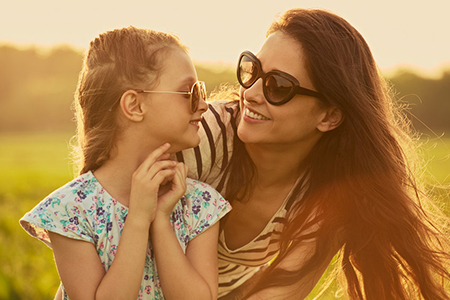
{"x":325,"y":147}
{"x":400,"y":32}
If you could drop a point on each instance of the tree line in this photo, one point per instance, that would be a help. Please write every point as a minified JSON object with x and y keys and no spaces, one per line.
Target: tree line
{"x":37,"y":87}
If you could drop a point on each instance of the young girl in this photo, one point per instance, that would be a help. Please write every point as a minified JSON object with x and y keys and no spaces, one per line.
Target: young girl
{"x":138,"y":100}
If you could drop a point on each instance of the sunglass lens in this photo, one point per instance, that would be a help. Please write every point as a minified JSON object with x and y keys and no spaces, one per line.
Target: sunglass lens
{"x":278,"y":88}
{"x":195,"y":97}
{"x":247,"y":72}
{"x":198,"y":91}
{"x":203,"y":91}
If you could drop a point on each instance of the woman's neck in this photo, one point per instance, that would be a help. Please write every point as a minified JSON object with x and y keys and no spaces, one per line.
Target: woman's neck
{"x":276,"y":164}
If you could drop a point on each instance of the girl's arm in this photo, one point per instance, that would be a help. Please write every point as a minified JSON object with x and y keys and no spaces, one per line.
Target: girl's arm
{"x":184,"y":276}
{"x":78,"y":263}
{"x":83,"y":274}
{"x":201,"y":253}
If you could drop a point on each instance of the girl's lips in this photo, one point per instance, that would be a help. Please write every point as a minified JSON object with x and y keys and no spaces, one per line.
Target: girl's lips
{"x":196,"y":122}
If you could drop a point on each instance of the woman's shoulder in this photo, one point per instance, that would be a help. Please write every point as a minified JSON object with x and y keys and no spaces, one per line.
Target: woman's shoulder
{"x":224,"y":109}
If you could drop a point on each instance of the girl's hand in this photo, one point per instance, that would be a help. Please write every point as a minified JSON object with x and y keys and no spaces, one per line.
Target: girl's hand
{"x":146,"y":182}
{"x":172,"y":191}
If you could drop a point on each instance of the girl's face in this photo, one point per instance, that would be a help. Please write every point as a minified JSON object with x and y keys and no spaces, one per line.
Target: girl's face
{"x":169,"y":118}
{"x":293,"y":123}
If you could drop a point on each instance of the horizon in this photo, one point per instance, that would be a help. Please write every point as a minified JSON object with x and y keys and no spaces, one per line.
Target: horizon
{"x":430,"y":73}
{"x":400,"y":33}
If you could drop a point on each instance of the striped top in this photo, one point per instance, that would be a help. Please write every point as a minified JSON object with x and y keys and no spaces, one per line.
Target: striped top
{"x":206,"y":163}
{"x":238,"y":265}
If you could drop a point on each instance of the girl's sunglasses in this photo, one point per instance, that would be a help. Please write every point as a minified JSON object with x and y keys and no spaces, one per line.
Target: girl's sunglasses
{"x":278,"y":87}
{"x":198,"y":90}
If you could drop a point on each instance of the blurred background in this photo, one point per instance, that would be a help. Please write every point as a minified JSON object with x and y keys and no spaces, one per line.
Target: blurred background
{"x":41,"y":50}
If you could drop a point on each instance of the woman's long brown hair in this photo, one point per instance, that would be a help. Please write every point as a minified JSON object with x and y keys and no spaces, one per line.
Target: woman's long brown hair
{"x":361,"y":179}
{"x":116,"y":61}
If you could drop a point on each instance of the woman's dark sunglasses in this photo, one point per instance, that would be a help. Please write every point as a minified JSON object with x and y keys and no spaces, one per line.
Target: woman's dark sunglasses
{"x":278,"y":87}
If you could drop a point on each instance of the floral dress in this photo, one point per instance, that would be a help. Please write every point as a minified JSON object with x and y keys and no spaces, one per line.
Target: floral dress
{"x":83,"y":210}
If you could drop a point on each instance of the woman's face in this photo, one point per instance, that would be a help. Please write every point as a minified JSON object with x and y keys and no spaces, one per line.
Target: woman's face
{"x":293,"y":123}
{"x":169,"y":116}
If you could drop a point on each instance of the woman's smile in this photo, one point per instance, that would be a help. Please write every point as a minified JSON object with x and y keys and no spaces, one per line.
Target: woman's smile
{"x":254,"y":115}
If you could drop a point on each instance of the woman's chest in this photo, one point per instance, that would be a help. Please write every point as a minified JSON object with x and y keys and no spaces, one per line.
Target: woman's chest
{"x":247,"y":220}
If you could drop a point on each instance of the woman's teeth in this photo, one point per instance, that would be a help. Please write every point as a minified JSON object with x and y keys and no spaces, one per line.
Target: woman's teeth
{"x":253,"y":115}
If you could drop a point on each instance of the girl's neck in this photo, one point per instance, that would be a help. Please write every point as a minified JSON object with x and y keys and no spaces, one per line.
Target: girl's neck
{"x":115,"y":180}
{"x":115,"y":174}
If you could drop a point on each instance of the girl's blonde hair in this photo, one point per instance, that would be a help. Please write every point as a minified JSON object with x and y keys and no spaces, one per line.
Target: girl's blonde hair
{"x":115,"y":62}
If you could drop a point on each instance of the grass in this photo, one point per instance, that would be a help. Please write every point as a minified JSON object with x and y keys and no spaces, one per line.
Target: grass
{"x":34,"y":164}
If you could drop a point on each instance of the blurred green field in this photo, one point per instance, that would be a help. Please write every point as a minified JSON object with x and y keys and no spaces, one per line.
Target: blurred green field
{"x":34,"y":164}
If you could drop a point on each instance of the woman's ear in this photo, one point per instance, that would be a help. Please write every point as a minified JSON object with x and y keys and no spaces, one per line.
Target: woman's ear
{"x":131,"y":106}
{"x":332,"y":119}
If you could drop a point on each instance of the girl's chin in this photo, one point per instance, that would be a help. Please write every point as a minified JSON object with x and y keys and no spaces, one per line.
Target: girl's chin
{"x":191,"y":144}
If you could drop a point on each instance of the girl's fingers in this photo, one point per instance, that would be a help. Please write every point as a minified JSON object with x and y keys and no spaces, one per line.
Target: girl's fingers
{"x":164,"y":156}
{"x":159,"y":166}
{"x":146,"y":176}
{"x":180,"y":177}
{"x":186,"y":170}
{"x":163,"y":175}
{"x":168,"y":179}
{"x":182,"y":169}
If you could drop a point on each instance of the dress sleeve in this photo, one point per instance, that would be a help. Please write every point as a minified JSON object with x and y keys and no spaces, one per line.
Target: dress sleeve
{"x":207,"y":161}
{"x":61,"y":212}
{"x":203,"y":208}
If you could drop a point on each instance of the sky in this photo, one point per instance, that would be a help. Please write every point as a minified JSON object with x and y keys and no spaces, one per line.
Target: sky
{"x":399,"y":32}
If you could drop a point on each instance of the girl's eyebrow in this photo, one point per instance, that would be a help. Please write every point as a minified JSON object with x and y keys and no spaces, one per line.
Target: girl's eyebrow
{"x":188,"y":82}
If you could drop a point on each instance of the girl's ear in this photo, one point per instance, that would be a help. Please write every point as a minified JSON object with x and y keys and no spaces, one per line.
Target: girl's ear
{"x":332,"y":119}
{"x":131,"y":106}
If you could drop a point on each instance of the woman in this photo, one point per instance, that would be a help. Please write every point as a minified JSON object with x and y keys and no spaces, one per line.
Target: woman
{"x":313,"y":158}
